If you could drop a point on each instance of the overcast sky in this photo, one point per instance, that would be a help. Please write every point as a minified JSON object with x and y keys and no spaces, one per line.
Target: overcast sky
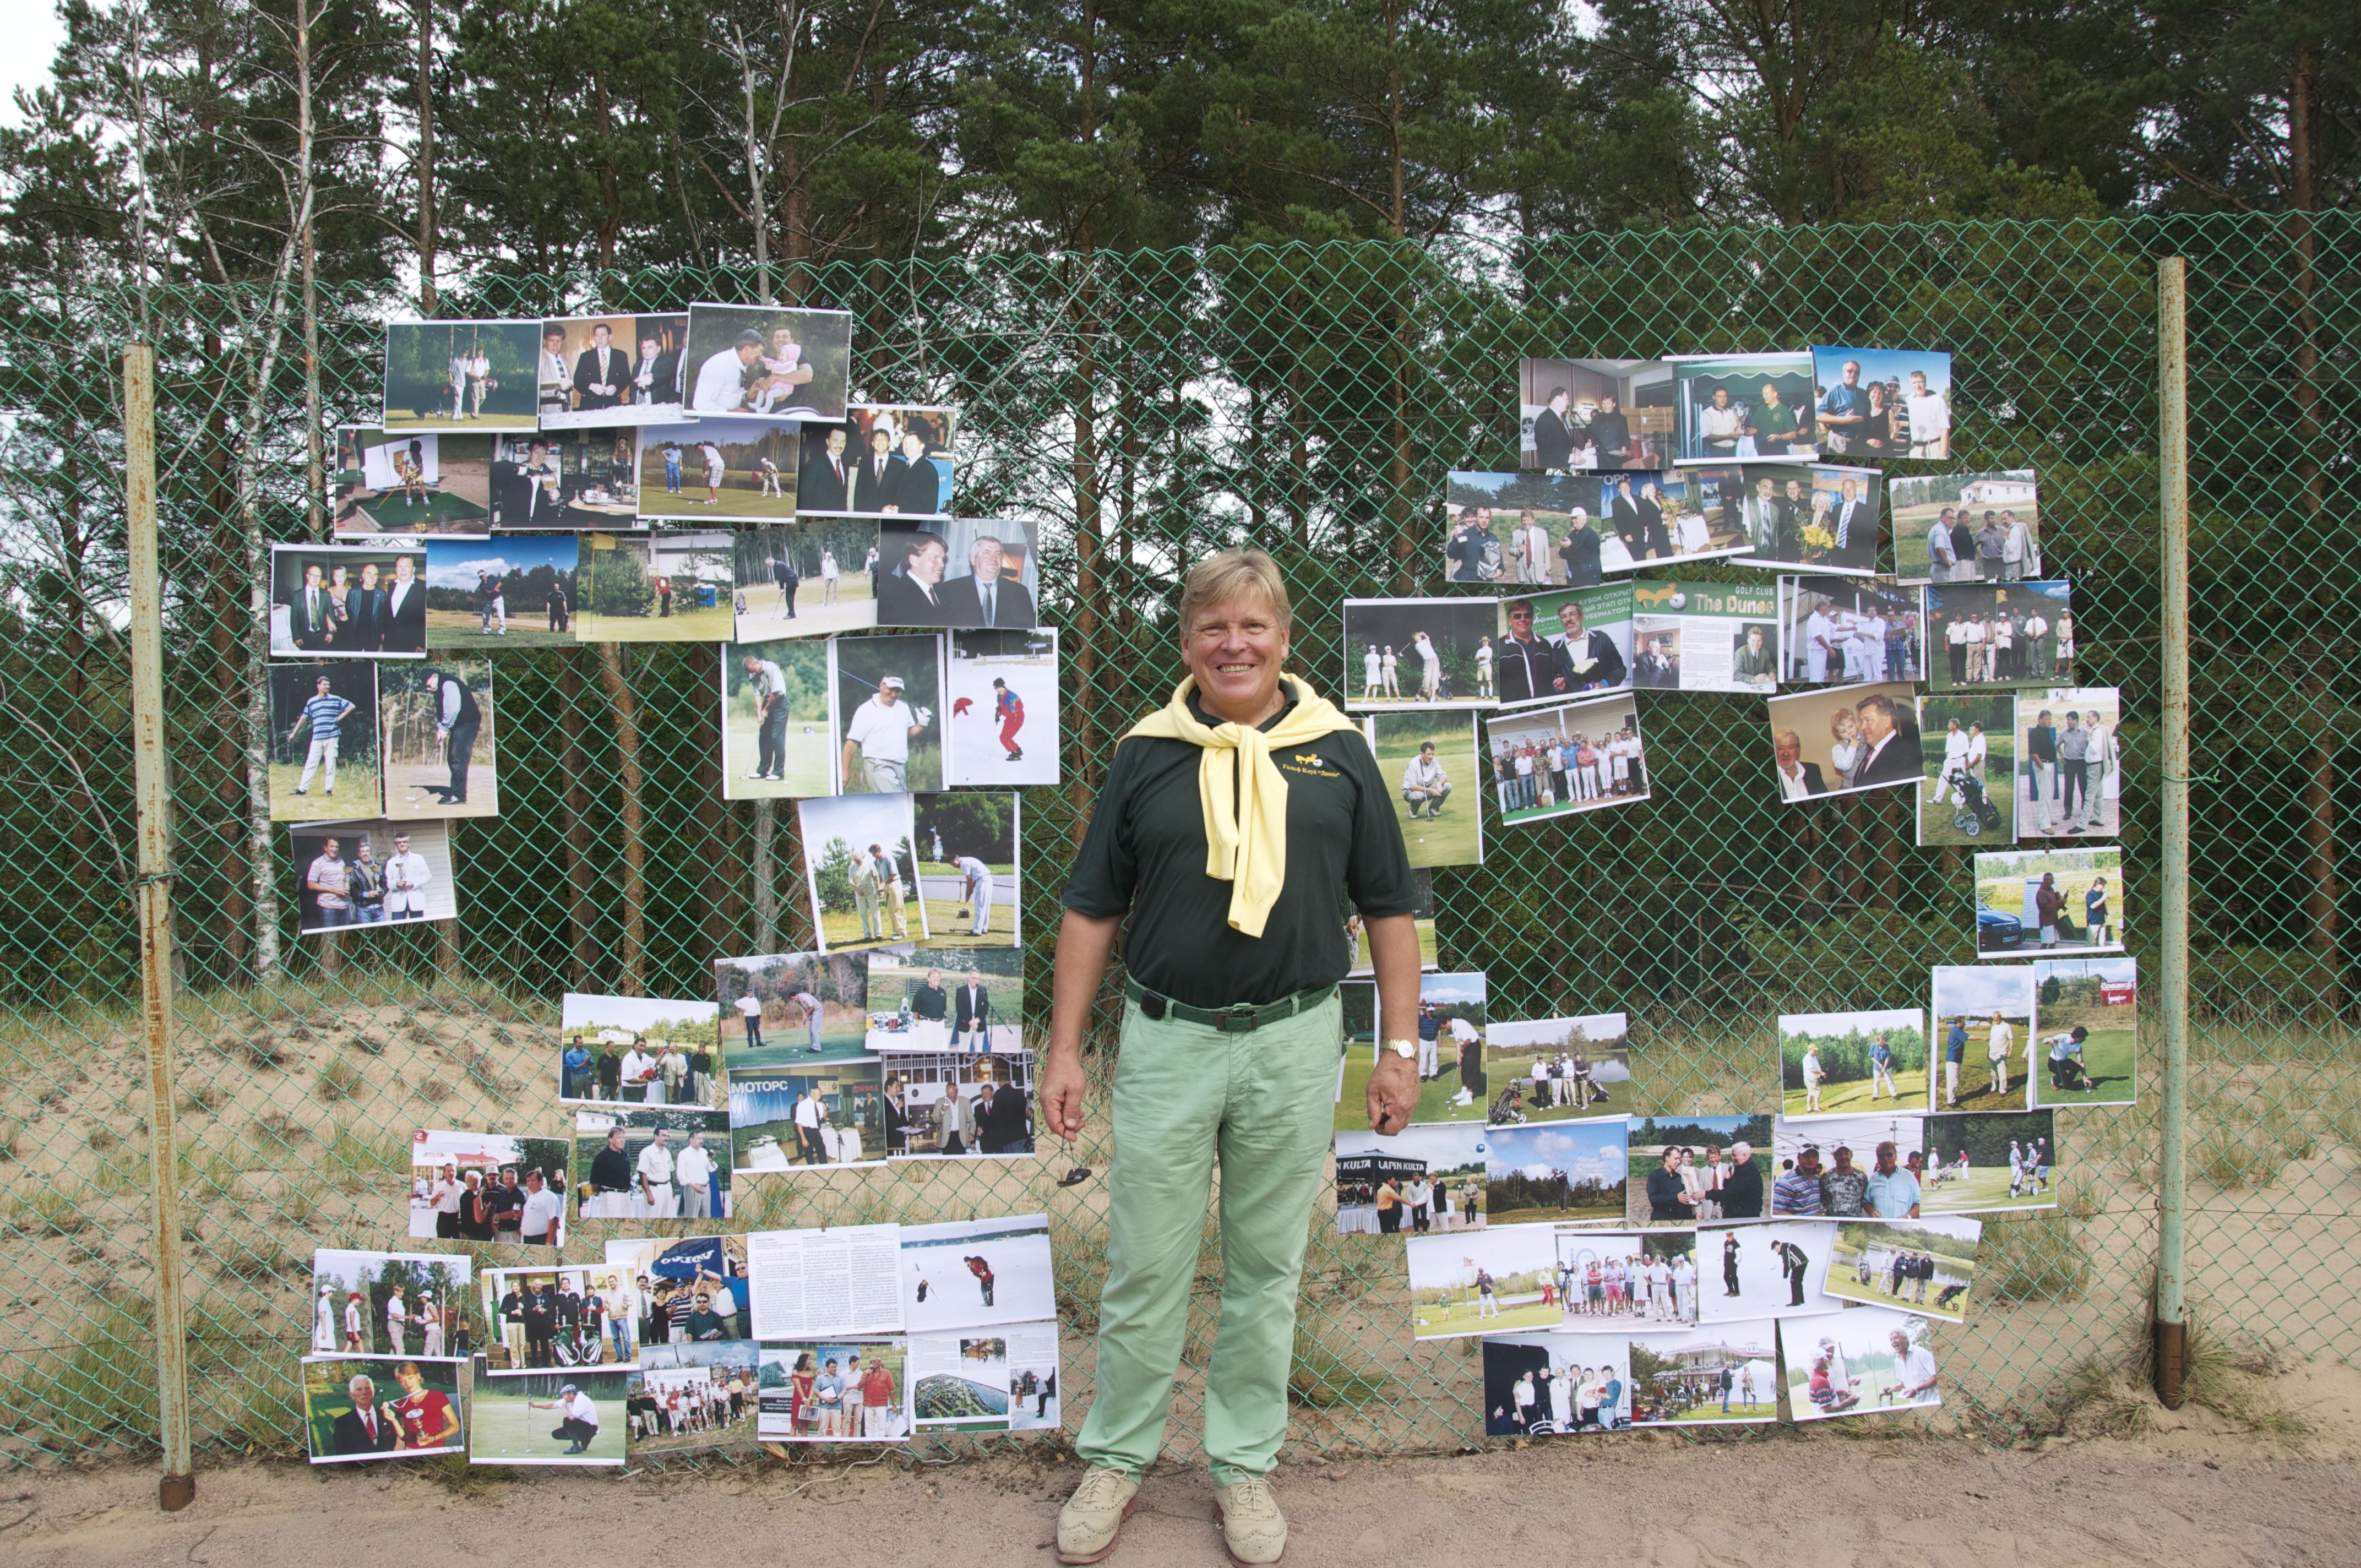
{"x":34,"y":32}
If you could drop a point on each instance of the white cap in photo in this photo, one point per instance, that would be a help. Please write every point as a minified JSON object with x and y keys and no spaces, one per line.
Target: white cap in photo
{"x":894,"y":682}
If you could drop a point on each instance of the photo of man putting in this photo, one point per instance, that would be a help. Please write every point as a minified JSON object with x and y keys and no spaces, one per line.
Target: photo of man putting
{"x":1227,"y":823}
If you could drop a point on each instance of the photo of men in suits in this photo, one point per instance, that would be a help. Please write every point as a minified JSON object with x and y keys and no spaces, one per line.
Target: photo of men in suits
{"x":969,"y":573}
{"x":824,"y":476}
{"x":891,"y":459}
{"x":987,"y":598}
{"x":346,"y":601}
{"x":381,"y":1407}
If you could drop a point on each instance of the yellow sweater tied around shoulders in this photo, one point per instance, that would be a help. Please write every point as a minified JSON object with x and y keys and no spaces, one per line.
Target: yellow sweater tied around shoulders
{"x":1244,"y":796}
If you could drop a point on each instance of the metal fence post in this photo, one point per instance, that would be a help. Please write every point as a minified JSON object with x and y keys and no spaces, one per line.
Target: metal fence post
{"x":2171,"y":1329}
{"x":152,"y":783}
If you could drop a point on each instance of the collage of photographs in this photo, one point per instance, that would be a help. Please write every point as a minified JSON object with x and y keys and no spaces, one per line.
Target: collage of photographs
{"x":704,"y":476}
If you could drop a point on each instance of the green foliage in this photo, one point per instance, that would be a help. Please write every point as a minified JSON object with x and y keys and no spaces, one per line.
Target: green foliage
{"x":619,"y":582}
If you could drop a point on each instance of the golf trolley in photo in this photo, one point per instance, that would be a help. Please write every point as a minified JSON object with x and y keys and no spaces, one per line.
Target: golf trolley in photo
{"x":1976,"y":811}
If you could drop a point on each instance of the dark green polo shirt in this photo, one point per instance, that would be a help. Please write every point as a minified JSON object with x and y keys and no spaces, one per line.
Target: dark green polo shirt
{"x":1145,"y":856}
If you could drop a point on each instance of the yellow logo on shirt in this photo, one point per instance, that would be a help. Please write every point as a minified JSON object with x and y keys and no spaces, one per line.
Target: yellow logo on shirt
{"x":1310,"y":764}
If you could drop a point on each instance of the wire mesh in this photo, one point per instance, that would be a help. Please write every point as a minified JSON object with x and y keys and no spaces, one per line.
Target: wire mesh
{"x":1146,"y":408}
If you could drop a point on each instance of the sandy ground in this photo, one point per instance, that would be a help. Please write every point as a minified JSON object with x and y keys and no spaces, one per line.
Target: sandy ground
{"x":2189,"y":1500}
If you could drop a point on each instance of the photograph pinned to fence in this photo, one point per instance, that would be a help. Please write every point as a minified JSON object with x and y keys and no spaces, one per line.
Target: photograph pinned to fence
{"x":970,"y":867}
{"x":1506,"y":527}
{"x":779,"y":1010}
{"x":966,"y":1002}
{"x":2073,"y":742}
{"x":810,"y":578}
{"x":1968,"y":761}
{"x":348,"y":601}
{"x":515,"y":591}
{"x":717,"y":470}
{"x":951,"y":1106}
{"x":562,"y":1418}
{"x":1865,"y":1362}
{"x":1877,"y":404}
{"x":669,"y":1162}
{"x":440,"y":746}
{"x":2006,"y":635}
{"x":667,"y":586}
{"x":958,"y":1382}
{"x":323,"y":731}
{"x":492,"y":1187}
{"x":370,"y":876}
{"x":1422,"y":919}
{"x":685,"y":1398}
{"x":1432,"y":763}
{"x":1843,"y":739}
{"x":774,"y":732}
{"x":1562,"y":761}
{"x":613,"y":1050}
{"x":1837,"y":631}
{"x":1956,"y":528}
{"x":2040,"y":902}
{"x":1418,"y":653}
{"x":1608,"y":1281}
{"x":1558,"y":1070}
{"x":1555,"y":1385}
{"x":1569,"y":642}
{"x":461,"y":375}
{"x":666,"y":1270}
{"x":1825,"y":1162}
{"x":1576,"y":416}
{"x":611,"y":370}
{"x":828,"y":1113}
{"x":557,"y":1317}
{"x":1831,"y":1063}
{"x":885,"y":696}
{"x":1413,"y":1182}
{"x":380,"y":1406}
{"x":894,"y":459}
{"x":1764,"y":1270}
{"x":580,"y":479}
{"x":1003,"y":694}
{"x":970,"y":1274}
{"x":1449,"y":1030}
{"x":392,"y":482}
{"x":1698,"y":1169}
{"x":1555,"y":1172}
{"x":1648,"y":520}
{"x":1922,"y":1265}
{"x":844,"y":1390}
{"x":1722,"y":1374}
{"x":1982,"y":1164}
{"x":1819,"y":518}
{"x":1480,"y":1282}
{"x":1743,"y":407}
{"x":1704,"y":637}
{"x":966,"y":573}
{"x":2085,"y":1031}
{"x":767,"y":362}
{"x":1982,"y":1029}
{"x":389,"y":1304}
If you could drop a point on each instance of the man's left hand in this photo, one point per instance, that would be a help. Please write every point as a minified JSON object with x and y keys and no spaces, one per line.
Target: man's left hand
{"x":1393,"y":1093}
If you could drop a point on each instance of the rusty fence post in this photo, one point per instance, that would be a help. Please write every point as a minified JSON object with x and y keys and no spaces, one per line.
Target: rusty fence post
{"x":153,"y":786}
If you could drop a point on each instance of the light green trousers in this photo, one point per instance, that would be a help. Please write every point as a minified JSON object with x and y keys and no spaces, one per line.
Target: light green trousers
{"x":1265,"y":1104}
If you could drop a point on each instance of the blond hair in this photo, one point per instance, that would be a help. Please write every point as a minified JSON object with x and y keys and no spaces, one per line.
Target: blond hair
{"x":1229,"y":574}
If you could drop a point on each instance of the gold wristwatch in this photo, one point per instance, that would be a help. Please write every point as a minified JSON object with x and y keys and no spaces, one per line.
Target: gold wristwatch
{"x":1406,"y":1049}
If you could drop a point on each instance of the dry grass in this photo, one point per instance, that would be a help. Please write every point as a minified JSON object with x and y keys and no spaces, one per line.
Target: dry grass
{"x":338,"y":1079}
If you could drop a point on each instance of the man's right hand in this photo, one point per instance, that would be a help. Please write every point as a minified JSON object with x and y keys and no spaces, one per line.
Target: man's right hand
{"x":1061,"y":1093}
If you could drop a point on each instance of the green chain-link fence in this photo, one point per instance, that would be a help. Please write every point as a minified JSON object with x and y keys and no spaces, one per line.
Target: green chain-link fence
{"x":1146,"y":407}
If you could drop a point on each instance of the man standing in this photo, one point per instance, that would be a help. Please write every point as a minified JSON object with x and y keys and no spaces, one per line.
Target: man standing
{"x":770,"y":689}
{"x":2000,"y":1042}
{"x":1941,"y":559}
{"x":1231,"y":1035}
{"x":862,"y":872}
{"x":2041,"y":768}
{"x":1722,"y":424}
{"x":1820,"y":644}
{"x":2074,"y":771}
{"x":542,"y":1221}
{"x":1553,"y":439}
{"x":976,"y":889}
{"x":785,"y":578}
{"x":1842,"y":409}
{"x":1584,"y":660}
{"x":324,"y":713}
{"x":971,"y":1015}
{"x":750,"y":1016}
{"x":693,"y":1168}
{"x":878,"y":737}
{"x":808,"y":1125}
{"x":1580,"y":552}
{"x":654,"y":1174}
{"x":1669,"y":1202}
{"x":457,"y":721}
{"x":1797,"y":1192}
{"x":1844,"y":1188}
{"x":329,"y":881}
{"x":821,"y":484}
{"x":1009,"y":710}
{"x":1530,"y":547}
{"x":1741,"y":1189}
{"x":1466,"y":551}
{"x":815,"y":1013}
{"x":602,"y":373}
{"x":1931,"y":419}
{"x":606,"y":1195}
{"x":406,"y":876}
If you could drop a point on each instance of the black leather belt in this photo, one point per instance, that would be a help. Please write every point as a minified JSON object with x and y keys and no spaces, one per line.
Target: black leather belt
{"x":1239,"y":1020}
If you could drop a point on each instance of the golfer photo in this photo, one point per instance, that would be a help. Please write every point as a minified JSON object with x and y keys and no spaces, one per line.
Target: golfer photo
{"x":1225,"y":826}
